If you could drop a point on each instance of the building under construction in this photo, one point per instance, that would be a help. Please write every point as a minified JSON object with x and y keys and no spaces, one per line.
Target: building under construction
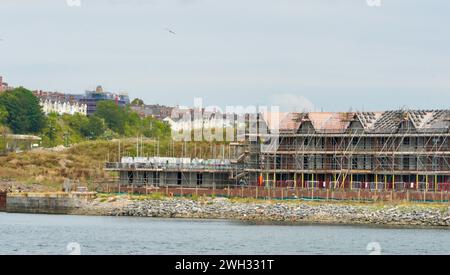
{"x":186,"y":172}
{"x":392,"y":150}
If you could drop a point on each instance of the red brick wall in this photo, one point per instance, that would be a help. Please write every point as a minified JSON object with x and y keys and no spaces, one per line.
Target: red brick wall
{"x":2,"y":201}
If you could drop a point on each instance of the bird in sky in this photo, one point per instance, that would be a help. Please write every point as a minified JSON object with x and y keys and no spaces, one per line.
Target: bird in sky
{"x":169,"y":30}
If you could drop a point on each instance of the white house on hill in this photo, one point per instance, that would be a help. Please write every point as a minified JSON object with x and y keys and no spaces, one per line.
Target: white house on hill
{"x":62,"y":107}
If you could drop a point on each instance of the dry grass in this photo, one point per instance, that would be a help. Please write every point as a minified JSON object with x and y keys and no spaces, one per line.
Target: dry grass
{"x":46,"y":170}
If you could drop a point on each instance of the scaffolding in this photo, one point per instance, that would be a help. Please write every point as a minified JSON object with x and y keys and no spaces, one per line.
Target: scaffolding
{"x":389,"y":151}
{"x":395,"y":150}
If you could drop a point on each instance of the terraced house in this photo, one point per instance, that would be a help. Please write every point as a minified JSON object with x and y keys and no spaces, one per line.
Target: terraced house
{"x":392,"y":150}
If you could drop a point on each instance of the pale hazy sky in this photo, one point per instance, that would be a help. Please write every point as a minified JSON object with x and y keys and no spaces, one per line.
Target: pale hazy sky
{"x":332,"y":54}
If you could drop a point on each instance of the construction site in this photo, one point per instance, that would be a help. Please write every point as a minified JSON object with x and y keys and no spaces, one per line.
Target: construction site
{"x":400,"y":153}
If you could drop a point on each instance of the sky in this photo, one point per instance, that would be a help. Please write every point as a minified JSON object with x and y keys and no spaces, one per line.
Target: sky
{"x":317,"y":55}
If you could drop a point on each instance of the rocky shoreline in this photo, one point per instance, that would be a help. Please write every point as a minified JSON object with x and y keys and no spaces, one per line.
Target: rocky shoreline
{"x":285,"y":212}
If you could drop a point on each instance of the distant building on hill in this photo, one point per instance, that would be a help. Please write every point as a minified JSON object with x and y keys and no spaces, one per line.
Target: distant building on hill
{"x":63,"y":107}
{"x":91,"y":99}
{"x":54,"y":102}
{"x":4,"y":86}
{"x":157,"y":111}
{"x":86,"y":104}
{"x":207,"y":120}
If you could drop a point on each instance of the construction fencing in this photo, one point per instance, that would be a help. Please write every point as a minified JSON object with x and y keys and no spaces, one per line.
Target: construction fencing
{"x":370,"y":186}
{"x":287,"y":193}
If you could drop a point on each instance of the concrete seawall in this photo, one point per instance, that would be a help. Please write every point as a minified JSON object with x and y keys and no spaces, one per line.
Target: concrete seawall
{"x":54,"y":204}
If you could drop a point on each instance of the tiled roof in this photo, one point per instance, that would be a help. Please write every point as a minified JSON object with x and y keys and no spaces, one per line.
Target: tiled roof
{"x":379,"y":122}
{"x":330,"y":121}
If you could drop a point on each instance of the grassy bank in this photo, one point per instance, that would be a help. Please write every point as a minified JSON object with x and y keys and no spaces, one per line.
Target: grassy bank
{"x":46,"y":169}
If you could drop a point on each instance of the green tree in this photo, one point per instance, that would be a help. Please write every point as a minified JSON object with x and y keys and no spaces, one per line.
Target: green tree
{"x":122,"y":120}
{"x":133,"y":123}
{"x":113,"y":115}
{"x":154,"y":128}
{"x":3,"y":138}
{"x":94,"y":128}
{"x":3,"y":115}
{"x":24,"y":114}
{"x":51,"y":130}
{"x":76,"y":121}
{"x":137,"y":102}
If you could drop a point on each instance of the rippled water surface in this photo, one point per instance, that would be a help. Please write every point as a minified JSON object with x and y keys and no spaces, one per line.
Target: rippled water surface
{"x":51,"y":234}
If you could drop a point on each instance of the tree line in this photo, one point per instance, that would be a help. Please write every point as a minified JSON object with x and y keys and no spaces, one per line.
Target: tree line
{"x":21,"y":113}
